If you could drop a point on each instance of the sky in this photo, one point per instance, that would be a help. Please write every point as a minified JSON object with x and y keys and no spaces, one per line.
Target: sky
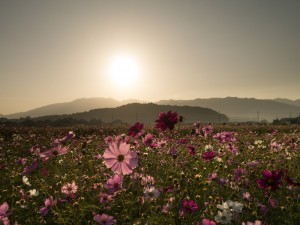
{"x":55,"y":51}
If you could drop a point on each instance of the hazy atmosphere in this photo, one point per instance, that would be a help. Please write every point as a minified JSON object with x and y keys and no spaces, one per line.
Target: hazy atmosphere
{"x":57,"y":51}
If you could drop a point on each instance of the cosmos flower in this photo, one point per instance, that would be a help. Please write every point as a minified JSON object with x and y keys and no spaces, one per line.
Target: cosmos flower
{"x":120,"y":159}
{"x":166,"y":120}
{"x":33,"y":192}
{"x":4,"y":213}
{"x":55,"y":151}
{"x":114,"y":183}
{"x":187,"y":207}
{"x":151,"y":192}
{"x":49,"y":203}
{"x":271,"y":180}
{"x":191,"y":150}
{"x":135,"y":129}
{"x":104,"y":219}
{"x":29,"y":169}
{"x":223,"y":217}
{"x":208,"y":156}
{"x":69,"y":188}
{"x":25,"y":181}
{"x":206,"y":222}
{"x":207,"y":130}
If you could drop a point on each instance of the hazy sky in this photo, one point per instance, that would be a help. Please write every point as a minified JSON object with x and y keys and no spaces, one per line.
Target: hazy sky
{"x":60,"y":50}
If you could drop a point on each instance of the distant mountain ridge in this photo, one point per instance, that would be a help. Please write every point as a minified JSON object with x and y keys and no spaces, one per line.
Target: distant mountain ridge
{"x":78,"y":105}
{"x":237,"y":109}
{"x":288,"y":101}
{"x":145,"y":113}
{"x":242,"y":109}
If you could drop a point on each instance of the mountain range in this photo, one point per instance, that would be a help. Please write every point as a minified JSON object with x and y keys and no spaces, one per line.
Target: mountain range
{"x":146,"y":113}
{"x":244,"y":109}
{"x":237,"y":109}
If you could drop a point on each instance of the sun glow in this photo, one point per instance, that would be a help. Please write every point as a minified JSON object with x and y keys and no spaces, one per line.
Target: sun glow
{"x":123,"y":71}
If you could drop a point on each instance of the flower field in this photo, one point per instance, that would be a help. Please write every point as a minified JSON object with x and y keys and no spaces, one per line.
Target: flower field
{"x":168,"y":173}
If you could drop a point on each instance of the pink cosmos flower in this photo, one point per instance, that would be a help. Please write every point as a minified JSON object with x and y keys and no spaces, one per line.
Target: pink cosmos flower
{"x":55,"y":151}
{"x":105,"y":198}
{"x":207,"y":130}
{"x":4,"y":213}
{"x":148,"y":140}
{"x":206,"y":222}
{"x":29,"y":169}
{"x":120,"y":159}
{"x":69,"y":189}
{"x":49,"y":203}
{"x":271,"y":180}
{"x":135,"y":129}
{"x":114,"y":183}
{"x":166,"y":120}
{"x":208,"y":156}
{"x":187,"y":207}
{"x":104,"y":219}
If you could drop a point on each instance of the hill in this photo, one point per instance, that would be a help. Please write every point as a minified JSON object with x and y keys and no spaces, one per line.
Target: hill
{"x":145,"y":113}
{"x":288,"y":101}
{"x":242,"y":109}
{"x":78,"y":105}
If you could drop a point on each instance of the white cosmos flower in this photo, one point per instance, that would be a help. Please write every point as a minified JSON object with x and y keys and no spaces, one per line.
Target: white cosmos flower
{"x":236,"y":206}
{"x":223,"y":217}
{"x":33,"y":192}
{"x":25,"y":180}
{"x":151,"y":192}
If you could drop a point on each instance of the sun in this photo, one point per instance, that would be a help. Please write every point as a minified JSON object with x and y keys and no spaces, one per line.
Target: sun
{"x":123,"y":70}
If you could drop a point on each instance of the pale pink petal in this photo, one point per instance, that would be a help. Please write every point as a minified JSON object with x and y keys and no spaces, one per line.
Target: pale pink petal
{"x":124,"y":148}
{"x":125,"y":168}
{"x":116,"y":168}
{"x":4,"y":207}
{"x":114,"y":148}
{"x":109,"y":154}
{"x":110,"y":162}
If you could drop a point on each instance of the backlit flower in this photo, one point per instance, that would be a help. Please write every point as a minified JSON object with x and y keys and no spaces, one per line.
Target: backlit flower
{"x":135,"y":129}
{"x":166,"y":120}
{"x":120,"y":159}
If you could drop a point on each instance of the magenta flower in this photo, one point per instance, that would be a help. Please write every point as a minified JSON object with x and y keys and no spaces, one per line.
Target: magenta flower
{"x":208,"y":156}
{"x":191,"y":150}
{"x":166,"y":121}
{"x":4,"y":213}
{"x":69,"y":136}
{"x":104,"y":219}
{"x":55,"y":151}
{"x":148,"y":140}
{"x":187,"y":207}
{"x":29,"y":169}
{"x":114,"y":183}
{"x":271,"y":180}
{"x":206,"y":222}
{"x":105,"y":198}
{"x":135,"y":129}
{"x":120,"y":159}
{"x":49,"y":203}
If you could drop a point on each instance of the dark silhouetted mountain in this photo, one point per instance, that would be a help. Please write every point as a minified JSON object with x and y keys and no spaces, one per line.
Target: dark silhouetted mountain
{"x":145,"y":113}
{"x":242,"y":109}
{"x":79,"y":105}
{"x":288,"y":101}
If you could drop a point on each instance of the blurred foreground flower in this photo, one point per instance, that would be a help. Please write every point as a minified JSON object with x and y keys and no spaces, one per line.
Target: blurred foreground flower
{"x":4,"y":213}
